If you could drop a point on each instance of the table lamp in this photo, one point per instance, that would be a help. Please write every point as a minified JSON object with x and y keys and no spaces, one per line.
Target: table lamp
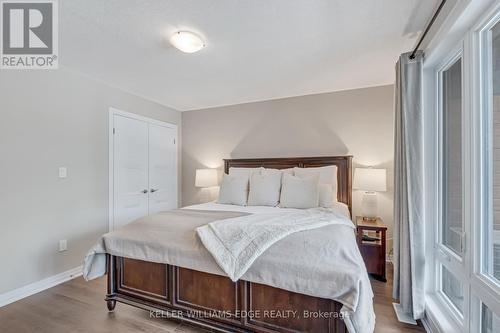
{"x":206,"y":178}
{"x":370,"y":181}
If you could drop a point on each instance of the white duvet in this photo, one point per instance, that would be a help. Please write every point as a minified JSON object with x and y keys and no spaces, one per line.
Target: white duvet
{"x":322,"y":262}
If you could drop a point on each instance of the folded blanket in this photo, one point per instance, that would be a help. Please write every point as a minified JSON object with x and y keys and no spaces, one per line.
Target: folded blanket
{"x":236,"y":243}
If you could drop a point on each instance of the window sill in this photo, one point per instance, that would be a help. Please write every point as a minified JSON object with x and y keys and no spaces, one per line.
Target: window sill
{"x":437,"y":319}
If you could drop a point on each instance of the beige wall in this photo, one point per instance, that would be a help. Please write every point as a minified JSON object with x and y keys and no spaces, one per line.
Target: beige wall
{"x":51,"y":119}
{"x":356,"y":122}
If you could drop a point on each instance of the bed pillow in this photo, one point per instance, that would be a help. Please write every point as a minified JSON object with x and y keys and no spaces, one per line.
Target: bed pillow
{"x":297,"y":192}
{"x":327,"y":175}
{"x":233,"y":190}
{"x":326,"y":196}
{"x":288,"y":170}
{"x":280,"y":171}
{"x":265,"y":188}
{"x":244,"y":171}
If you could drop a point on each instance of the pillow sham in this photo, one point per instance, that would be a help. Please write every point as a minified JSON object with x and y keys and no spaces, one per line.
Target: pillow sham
{"x":299,"y":192}
{"x":327,"y":175}
{"x":326,"y":196}
{"x":265,"y":188}
{"x":280,"y":171}
{"x":288,"y":170}
{"x":244,"y":171}
{"x":233,"y":190}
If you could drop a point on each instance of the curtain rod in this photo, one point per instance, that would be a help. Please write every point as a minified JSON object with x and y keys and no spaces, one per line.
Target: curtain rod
{"x":441,"y":5}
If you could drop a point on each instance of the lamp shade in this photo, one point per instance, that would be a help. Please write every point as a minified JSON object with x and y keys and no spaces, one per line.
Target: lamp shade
{"x":206,"y":178}
{"x":368,"y":179}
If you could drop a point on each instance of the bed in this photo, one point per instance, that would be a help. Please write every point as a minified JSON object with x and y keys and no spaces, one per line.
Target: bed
{"x":283,"y":291}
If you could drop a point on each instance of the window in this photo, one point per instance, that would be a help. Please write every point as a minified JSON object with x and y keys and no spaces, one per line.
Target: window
{"x":452,"y":288}
{"x":492,"y":99}
{"x":462,"y":150}
{"x":452,"y":227}
{"x":450,"y":234}
{"x":490,"y":322}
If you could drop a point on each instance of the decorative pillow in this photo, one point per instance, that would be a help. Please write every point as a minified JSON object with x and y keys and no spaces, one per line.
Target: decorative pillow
{"x":265,"y":188}
{"x":326,"y":196}
{"x":233,"y":190}
{"x":289,"y":170}
{"x":280,"y":171}
{"x":244,"y":171}
{"x":327,"y":175}
{"x":299,"y":192}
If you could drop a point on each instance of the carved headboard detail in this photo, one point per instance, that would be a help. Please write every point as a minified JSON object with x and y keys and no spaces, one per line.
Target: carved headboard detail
{"x":343,"y":163}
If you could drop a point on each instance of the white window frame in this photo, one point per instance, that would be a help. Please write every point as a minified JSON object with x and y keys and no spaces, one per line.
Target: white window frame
{"x":485,"y":289}
{"x":444,"y":256}
{"x":455,"y":55}
{"x":478,"y":288}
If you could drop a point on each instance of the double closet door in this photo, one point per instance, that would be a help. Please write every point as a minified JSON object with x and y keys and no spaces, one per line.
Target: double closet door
{"x":144,"y":168}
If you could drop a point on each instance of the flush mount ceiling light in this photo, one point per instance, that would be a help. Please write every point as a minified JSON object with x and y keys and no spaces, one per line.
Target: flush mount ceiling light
{"x":187,"y":41}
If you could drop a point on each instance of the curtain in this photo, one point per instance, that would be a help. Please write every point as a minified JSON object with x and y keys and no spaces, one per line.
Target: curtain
{"x":409,"y":256}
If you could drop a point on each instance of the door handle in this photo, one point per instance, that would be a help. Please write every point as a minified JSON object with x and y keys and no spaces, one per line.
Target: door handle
{"x":144,"y":191}
{"x":153,"y":190}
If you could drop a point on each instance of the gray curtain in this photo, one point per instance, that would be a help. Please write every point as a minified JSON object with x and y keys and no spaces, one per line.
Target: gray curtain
{"x":409,"y":256}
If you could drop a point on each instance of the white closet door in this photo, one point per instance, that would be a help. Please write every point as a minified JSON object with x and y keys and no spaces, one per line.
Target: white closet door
{"x":130,"y":166}
{"x":162,"y":169}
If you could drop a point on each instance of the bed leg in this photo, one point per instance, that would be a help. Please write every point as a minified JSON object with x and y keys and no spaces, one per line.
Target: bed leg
{"x":111,"y":305}
{"x":110,"y":268}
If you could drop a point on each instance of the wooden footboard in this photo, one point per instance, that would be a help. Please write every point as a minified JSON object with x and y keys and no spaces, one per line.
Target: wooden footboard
{"x":215,"y":302}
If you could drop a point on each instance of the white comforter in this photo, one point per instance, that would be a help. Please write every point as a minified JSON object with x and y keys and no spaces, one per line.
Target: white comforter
{"x":323,"y":262}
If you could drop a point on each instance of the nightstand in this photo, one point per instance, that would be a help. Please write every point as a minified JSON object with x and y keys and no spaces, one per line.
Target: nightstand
{"x":371,"y":238}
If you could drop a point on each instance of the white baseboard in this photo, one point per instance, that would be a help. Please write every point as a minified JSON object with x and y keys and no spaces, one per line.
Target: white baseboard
{"x":429,"y":325}
{"x":36,"y":287}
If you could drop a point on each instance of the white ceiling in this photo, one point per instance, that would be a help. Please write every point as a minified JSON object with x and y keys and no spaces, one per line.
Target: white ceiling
{"x":256,"y":49}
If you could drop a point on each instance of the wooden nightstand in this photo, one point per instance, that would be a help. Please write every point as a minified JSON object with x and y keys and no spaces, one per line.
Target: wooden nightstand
{"x":372,"y":246}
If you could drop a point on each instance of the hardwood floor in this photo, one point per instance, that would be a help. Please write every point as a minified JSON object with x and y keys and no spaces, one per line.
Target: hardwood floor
{"x":386,"y":321}
{"x":78,"y":306}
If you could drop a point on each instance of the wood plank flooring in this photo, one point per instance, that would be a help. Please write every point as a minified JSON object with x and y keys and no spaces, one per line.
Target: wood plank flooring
{"x":78,"y":306}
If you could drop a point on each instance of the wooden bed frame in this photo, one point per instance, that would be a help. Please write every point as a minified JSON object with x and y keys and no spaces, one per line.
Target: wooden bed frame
{"x":216,"y":303}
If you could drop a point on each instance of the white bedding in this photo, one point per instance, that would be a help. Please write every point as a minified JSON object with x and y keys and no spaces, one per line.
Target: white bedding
{"x":235,"y":243}
{"x":335,"y":271}
{"x":337,"y":206}
{"x":323,"y":262}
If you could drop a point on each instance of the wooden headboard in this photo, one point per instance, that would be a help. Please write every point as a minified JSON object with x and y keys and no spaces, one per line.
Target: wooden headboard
{"x":343,"y":163}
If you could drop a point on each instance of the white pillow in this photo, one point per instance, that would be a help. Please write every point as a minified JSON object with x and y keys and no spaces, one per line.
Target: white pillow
{"x":233,"y":190}
{"x":244,"y":171}
{"x":289,"y":170}
{"x":280,"y":171}
{"x":264,"y":188}
{"x":326,"y":196}
{"x":327,"y":175}
{"x":299,"y":192}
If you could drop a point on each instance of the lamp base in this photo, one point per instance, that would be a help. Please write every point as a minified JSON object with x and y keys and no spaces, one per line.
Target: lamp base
{"x":369,"y":206}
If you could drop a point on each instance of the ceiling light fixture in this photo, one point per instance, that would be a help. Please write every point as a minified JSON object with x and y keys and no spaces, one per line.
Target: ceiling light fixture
{"x":187,"y":41}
